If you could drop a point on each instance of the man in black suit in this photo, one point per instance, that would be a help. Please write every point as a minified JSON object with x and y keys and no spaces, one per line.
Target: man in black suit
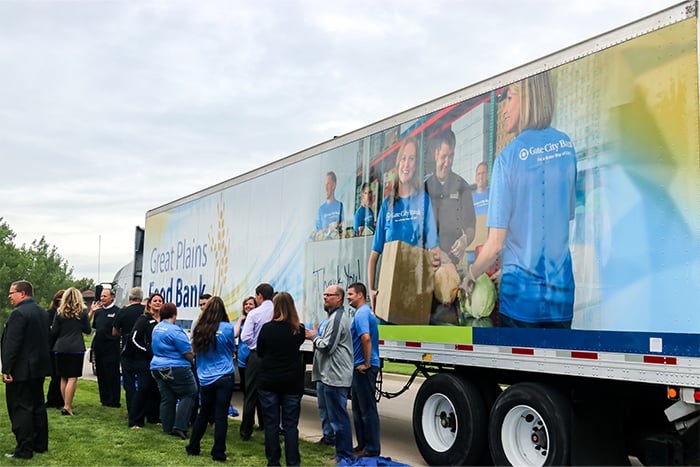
{"x":25,"y":364}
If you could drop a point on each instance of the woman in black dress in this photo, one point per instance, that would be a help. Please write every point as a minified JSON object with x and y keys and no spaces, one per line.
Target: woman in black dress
{"x":68,"y":327}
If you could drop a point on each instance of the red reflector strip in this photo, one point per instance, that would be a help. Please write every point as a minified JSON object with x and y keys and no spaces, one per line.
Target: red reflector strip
{"x":660,"y":360}
{"x":413,"y":344}
{"x":464,"y":347}
{"x":519,"y":351}
{"x":381,"y":341}
{"x":587,"y":355}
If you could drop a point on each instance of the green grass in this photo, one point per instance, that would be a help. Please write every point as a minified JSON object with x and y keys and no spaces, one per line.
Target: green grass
{"x":99,"y":436}
{"x":399,"y":368}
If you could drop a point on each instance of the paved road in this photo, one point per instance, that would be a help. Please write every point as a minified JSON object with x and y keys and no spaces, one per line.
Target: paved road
{"x":395,"y":418}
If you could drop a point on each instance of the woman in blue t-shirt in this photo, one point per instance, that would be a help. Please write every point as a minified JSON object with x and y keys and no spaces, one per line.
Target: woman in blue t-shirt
{"x":171,"y":367}
{"x":406,"y":214}
{"x":530,"y":206}
{"x":214,"y":344}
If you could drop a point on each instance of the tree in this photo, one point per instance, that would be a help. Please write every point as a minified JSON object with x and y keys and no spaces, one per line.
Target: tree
{"x":38,"y":263}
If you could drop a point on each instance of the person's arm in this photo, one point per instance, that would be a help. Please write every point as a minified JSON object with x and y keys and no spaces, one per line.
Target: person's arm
{"x":468,"y":225}
{"x":237,"y":326}
{"x":262,"y":341}
{"x":12,"y":343}
{"x":55,"y":326}
{"x":116,"y":332}
{"x":367,"y":352}
{"x":85,"y":322}
{"x":331,"y":335}
{"x":189,"y":356}
{"x":490,"y":251}
{"x":249,"y":328}
{"x":138,"y":335}
{"x":371,"y":270}
{"x":430,"y":236}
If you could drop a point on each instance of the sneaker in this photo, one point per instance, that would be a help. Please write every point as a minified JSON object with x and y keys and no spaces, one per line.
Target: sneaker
{"x":330,"y":461}
{"x":326,"y":441}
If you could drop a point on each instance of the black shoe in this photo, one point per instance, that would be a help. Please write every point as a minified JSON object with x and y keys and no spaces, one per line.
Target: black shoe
{"x":65,"y":412}
{"x":245,"y":437}
{"x":179,"y":433}
{"x":326,"y":441}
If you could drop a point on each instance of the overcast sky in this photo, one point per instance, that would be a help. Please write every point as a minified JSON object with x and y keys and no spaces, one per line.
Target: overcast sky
{"x":111,"y":108}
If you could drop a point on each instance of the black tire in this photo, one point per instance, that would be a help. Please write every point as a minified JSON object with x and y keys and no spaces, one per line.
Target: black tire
{"x":530,"y":424}
{"x":450,"y":421}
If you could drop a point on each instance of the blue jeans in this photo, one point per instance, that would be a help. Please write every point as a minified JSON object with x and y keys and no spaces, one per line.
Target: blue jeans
{"x":364,"y":410}
{"x":290,"y":406}
{"x":216,"y":398}
{"x":326,"y":427}
{"x":175,"y":383}
{"x":336,"y":404}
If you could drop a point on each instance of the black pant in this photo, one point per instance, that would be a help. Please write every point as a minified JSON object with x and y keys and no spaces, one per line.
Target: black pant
{"x":250,"y":400}
{"x":53,"y":395}
{"x":145,"y":404}
{"x":107,"y":369}
{"x":27,"y":411}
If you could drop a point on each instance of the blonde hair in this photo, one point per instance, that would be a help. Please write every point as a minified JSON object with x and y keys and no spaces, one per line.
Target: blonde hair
{"x":536,"y":101}
{"x":71,"y":303}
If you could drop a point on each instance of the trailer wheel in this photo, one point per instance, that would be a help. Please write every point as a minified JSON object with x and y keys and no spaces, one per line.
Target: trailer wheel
{"x":530,"y":425}
{"x":450,"y":421}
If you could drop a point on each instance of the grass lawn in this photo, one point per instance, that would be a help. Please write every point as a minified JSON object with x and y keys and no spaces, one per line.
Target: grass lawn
{"x":399,"y":368}
{"x":98,"y":435}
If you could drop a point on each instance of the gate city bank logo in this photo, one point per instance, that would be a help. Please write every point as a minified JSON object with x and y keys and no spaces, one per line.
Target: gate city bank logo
{"x":523,"y":154}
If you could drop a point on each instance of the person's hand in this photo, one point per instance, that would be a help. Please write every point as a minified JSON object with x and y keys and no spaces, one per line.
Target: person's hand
{"x":310,"y":333}
{"x":7,"y":378}
{"x":496,"y":279}
{"x":373,"y":297}
{"x":459,"y":247}
{"x":362,"y":367}
{"x":436,"y":258}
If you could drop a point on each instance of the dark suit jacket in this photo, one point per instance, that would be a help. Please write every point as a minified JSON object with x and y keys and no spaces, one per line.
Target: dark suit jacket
{"x":25,"y":342}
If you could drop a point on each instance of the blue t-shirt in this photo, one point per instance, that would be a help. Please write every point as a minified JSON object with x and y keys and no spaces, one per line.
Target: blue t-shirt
{"x":481,"y":202}
{"x":532,"y":197}
{"x":409,"y":219}
{"x":243,"y":349}
{"x":364,"y":217}
{"x":169,"y":343}
{"x":329,"y":213}
{"x":365,"y":322}
{"x":214,"y":364}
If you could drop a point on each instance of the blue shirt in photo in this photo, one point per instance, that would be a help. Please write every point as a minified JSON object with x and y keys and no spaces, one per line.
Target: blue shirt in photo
{"x":532,"y":197}
{"x":329,"y":213}
{"x":364,"y":217}
{"x":409,"y":219}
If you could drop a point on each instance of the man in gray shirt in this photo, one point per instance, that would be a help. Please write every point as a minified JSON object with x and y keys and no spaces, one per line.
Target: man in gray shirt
{"x":333,"y":366}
